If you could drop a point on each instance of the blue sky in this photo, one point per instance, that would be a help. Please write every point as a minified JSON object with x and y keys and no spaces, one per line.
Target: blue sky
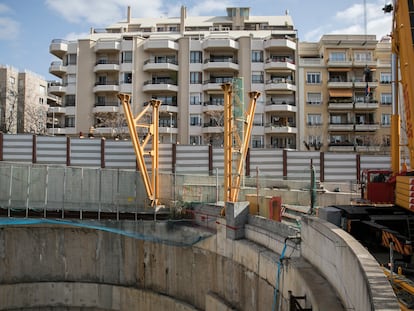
{"x":27,"y":27}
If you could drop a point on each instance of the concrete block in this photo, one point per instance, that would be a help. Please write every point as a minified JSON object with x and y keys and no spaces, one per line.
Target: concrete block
{"x":331,"y":214}
{"x":236,"y":217}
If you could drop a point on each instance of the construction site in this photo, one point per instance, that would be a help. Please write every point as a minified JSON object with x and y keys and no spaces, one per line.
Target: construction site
{"x":78,"y":234}
{"x":100,"y":239}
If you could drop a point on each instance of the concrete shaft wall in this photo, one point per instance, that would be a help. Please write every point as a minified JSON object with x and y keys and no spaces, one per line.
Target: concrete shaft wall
{"x":113,"y":272}
{"x":60,"y":266}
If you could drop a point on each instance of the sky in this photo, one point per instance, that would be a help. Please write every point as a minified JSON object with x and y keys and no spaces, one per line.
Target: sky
{"x":27,"y":27}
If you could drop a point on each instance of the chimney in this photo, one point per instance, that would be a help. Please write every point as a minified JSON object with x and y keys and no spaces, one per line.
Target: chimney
{"x":182,"y":18}
{"x":129,"y":14}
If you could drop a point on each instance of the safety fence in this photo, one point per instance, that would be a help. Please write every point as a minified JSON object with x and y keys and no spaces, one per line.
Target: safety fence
{"x":187,"y":159}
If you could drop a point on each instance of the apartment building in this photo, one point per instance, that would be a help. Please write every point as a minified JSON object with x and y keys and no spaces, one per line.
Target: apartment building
{"x":23,"y":101}
{"x":183,"y":62}
{"x":345,"y":94}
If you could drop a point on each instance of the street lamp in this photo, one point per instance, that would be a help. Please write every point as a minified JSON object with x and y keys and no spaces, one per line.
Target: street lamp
{"x":171,"y":127}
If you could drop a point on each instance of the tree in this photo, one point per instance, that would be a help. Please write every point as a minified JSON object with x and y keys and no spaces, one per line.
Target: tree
{"x":113,"y":120}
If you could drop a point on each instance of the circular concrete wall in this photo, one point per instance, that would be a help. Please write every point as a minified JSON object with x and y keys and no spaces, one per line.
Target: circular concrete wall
{"x":60,"y":266}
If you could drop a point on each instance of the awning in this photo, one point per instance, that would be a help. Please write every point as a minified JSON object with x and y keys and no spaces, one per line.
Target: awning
{"x":339,"y":69}
{"x":340,"y":93}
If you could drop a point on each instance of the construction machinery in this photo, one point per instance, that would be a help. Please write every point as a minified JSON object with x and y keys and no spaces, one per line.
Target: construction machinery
{"x":383,"y":219}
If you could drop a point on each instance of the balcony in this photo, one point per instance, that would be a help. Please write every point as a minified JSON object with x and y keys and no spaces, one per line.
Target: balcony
{"x":280,"y":43}
{"x":58,"y":47}
{"x":107,"y":66}
{"x":275,"y":128}
{"x":107,"y":86}
{"x":209,"y":128}
{"x":57,"y":69}
{"x":158,"y":45}
{"x":56,"y":110}
{"x":340,"y":99}
{"x":106,"y":107}
{"x":107,"y":45}
{"x":339,"y":63}
{"x":209,"y":107}
{"x":364,"y":63}
{"x":359,"y":84}
{"x":168,"y":130}
{"x":279,"y":107}
{"x":372,"y":104}
{"x":151,"y":65}
{"x":168,"y":108}
{"x":280,"y":84}
{"x":221,"y":63}
{"x":159,"y":85}
{"x":340,"y":127}
{"x":214,"y":85}
{"x":57,"y":89}
{"x":339,"y":84}
{"x":367,"y":127}
{"x":279,"y":63}
{"x":220,"y":43}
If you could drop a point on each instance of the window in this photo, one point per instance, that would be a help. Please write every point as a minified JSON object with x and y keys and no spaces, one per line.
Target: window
{"x":336,"y":119}
{"x":337,"y":56}
{"x":362,"y":56}
{"x":196,"y":57}
{"x":70,"y":121}
{"x":195,"y":120}
{"x":195,"y":77}
{"x":313,"y":78}
{"x":257,"y":141}
{"x":195,"y":140}
{"x":386,"y":119}
{"x":386,"y":140}
{"x":100,"y":100}
{"x":386,"y":98}
{"x":314,"y":98}
{"x":42,"y":90}
{"x":258,"y":119}
{"x":195,"y":99}
{"x":12,"y":80}
{"x":257,"y":56}
{"x":71,"y":79}
{"x":385,"y":77}
{"x":314,"y":119}
{"x":257,"y":77}
{"x":69,"y":100}
{"x":127,"y":57}
{"x":128,"y":77}
{"x":314,"y":140}
{"x":70,"y":59}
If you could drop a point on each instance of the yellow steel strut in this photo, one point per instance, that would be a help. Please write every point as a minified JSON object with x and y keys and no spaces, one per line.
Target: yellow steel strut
{"x":151,"y":184}
{"x":232,"y":181}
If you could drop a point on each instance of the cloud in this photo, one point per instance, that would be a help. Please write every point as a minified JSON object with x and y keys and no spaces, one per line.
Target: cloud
{"x":9,"y":27}
{"x":75,"y":36}
{"x":4,"y":8}
{"x":103,"y":13}
{"x":203,"y":8}
{"x":352,"y":21}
